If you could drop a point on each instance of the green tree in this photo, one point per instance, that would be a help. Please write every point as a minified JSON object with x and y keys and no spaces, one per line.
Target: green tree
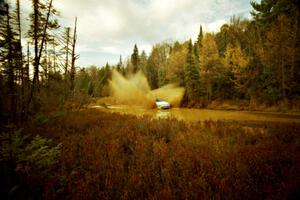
{"x":198,"y":46}
{"x":192,"y":78}
{"x":135,"y":60}
{"x":38,"y":34}
{"x":279,"y":22}
{"x":120,"y":64}
{"x":200,"y":37}
{"x":222,"y":39}
{"x":143,"y":62}
{"x":156,"y":65}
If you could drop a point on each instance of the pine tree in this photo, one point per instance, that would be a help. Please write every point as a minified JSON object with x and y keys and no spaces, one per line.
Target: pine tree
{"x":135,"y":61}
{"x":10,"y":59}
{"x":222,"y":39}
{"x":279,"y":20}
{"x":10,"y":67}
{"x":210,"y":63}
{"x":192,"y":78}
{"x":120,"y":64}
{"x":38,"y":49}
{"x":200,"y":37}
{"x":152,"y":72}
{"x":143,"y":62}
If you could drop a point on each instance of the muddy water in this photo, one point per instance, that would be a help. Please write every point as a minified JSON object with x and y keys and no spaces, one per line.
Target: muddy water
{"x":193,"y":115}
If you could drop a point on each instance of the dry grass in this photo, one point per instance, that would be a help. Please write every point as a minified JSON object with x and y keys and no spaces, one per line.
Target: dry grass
{"x":111,"y":156}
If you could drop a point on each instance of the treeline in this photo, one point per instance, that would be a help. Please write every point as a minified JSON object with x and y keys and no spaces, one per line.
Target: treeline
{"x":41,"y":71}
{"x":255,"y":60}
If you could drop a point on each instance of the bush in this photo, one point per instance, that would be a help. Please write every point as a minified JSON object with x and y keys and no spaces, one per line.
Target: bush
{"x":31,"y":162}
{"x":111,"y":156}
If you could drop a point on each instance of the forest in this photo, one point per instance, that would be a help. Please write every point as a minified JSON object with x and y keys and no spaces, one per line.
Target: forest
{"x":53,"y":146}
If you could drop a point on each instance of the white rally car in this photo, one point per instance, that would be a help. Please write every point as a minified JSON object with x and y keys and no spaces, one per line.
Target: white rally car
{"x":162,"y":104}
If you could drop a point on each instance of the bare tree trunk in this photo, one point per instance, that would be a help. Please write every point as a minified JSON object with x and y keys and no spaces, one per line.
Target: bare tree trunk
{"x":294,"y":48}
{"x":72,"y":74}
{"x":46,"y":64}
{"x":54,"y":59}
{"x":261,"y":45}
{"x":36,"y":66}
{"x":66,"y":77}
{"x":38,"y":54}
{"x":26,"y":84}
{"x":27,"y":78}
{"x":67,"y":54}
{"x":10,"y":70}
{"x":282,"y":77}
{"x":20,"y":61}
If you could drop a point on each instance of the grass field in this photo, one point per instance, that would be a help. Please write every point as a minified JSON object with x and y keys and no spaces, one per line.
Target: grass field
{"x":111,"y":156}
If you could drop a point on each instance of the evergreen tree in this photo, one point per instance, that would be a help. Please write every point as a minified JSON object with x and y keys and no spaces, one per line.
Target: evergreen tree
{"x":222,"y":39}
{"x":279,"y":28}
{"x":120,"y":64}
{"x":192,"y":78}
{"x":152,"y":72}
{"x":38,"y":47}
{"x":11,"y":60}
{"x":198,"y":46}
{"x":7,"y":57}
{"x":210,"y":63}
{"x":143,"y":61}
{"x":156,"y":65}
{"x":135,"y":61}
{"x":267,"y":11}
{"x":200,"y":37}
{"x":37,"y":32}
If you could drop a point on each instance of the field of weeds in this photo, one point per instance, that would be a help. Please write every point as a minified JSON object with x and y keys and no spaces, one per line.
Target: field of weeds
{"x":111,"y":156}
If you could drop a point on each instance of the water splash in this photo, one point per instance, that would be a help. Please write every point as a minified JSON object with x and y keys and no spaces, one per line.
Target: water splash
{"x":135,"y":90}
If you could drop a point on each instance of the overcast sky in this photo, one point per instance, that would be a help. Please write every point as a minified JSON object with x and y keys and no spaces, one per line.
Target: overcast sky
{"x":110,"y":28}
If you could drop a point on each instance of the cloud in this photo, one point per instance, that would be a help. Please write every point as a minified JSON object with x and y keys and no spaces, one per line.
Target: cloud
{"x":108,"y":28}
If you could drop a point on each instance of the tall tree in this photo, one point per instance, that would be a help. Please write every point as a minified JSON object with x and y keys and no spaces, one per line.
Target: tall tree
{"x":156,"y":65}
{"x":198,"y":45}
{"x":10,"y":67}
{"x":192,"y":78}
{"x":200,"y":37}
{"x":120,"y":64}
{"x":38,"y":50}
{"x":278,"y":57}
{"x":66,"y":48}
{"x":210,"y":63}
{"x":176,"y":62}
{"x":135,"y":60}
{"x":143,"y":61}
{"x":222,"y":39}
{"x":19,"y":48}
{"x":74,"y":57}
{"x":40,"y":17}
{"x":236,"y":62}
{"x":285,"y":15}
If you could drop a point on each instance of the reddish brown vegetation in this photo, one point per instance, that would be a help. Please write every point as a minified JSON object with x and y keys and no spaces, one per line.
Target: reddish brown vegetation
{"x":111,"y":156}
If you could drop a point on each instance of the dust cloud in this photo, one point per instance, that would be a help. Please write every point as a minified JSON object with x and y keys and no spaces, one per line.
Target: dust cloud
{"x":135,"y":90}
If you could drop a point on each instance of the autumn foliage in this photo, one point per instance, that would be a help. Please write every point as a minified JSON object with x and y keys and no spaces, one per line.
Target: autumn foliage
{"x":112,"y":156}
